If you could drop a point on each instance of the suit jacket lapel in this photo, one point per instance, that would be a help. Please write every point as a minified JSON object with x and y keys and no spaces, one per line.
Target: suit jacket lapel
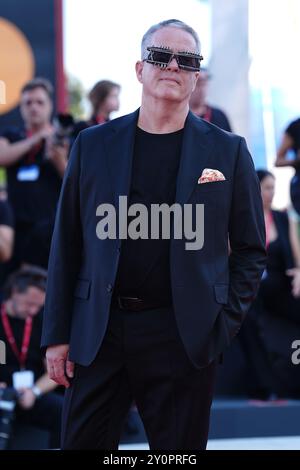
{"x":197,"y":146}
{"x":119,"y":146}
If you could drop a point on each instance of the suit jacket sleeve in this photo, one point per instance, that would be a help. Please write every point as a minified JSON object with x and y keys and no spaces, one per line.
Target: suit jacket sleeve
{"x":247,"y":240}
{"x":64,"y":261}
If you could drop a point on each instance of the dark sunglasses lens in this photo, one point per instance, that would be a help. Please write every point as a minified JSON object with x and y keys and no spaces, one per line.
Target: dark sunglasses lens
{"x":161,"y":57}
{"x":189,"y":62}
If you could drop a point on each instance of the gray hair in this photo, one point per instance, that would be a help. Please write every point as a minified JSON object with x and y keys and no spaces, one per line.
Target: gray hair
{"x":146,"y":41}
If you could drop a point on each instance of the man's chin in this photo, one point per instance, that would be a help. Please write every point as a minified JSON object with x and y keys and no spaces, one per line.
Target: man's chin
{"x":35,"y":122}
{"x":170,"y":94}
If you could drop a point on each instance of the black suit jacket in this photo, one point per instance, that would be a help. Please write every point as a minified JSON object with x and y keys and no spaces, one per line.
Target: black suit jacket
{"x":211,"y":290}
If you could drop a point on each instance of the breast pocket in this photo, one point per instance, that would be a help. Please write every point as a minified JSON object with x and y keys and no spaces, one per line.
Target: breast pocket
{"x":212,"y":186}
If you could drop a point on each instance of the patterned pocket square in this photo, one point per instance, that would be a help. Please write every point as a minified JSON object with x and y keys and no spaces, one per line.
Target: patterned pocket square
{"x":209,"y":175}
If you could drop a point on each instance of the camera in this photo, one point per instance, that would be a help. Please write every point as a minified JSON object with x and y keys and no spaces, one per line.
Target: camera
{"x":8,"y":401}
{"x":63,"y":128}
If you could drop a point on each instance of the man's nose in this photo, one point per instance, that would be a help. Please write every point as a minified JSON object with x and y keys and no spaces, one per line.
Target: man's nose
{"x":173,"y":64}
{"x":33,"y":107}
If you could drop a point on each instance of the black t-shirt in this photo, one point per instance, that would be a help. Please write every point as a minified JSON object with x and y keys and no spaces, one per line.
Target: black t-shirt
{"x":144,"y":268}
{"x":293,"y":131}
{"x":37,"y":246}
{"x":36,"y":199}
{"x":6,"y":214}
{"x":34,"y":360}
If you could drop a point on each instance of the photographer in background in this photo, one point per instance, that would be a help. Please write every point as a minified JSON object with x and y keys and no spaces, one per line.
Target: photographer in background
{"x":24,"y":371}
{"x":35,"y":161}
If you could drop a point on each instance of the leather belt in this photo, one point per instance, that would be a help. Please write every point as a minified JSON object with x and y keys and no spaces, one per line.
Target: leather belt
{"x":135,"y":304}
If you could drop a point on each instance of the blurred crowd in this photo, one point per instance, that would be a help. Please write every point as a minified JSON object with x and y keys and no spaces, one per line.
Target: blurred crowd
{"x":35,"y":157}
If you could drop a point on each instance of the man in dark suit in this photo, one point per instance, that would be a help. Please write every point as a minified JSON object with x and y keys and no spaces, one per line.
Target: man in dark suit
{"x":146,"y":318}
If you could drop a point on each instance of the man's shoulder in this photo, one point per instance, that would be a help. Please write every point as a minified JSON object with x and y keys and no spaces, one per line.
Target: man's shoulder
{"x":218,"y":133}
{"x":102,"y":130}
{"x":13,"y":133}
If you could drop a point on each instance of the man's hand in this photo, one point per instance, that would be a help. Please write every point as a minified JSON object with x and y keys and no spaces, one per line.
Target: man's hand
{"x":58,"y":154}
{"x":58,"y":365}
{"x":294,"y":273}
{"x":44,"y":134}
{"x":3,"y":385}
{"x":27,"y":398}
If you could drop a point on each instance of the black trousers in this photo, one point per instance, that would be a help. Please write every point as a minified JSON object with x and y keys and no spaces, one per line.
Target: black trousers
{"x":142,"y":359}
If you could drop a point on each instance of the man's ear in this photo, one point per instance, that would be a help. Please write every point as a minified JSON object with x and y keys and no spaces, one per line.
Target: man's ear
{"x":196,"y":79}
{"x":139,"y":70}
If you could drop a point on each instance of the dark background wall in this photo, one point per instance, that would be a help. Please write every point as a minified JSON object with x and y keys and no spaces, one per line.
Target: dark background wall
{"x":40,"y":22}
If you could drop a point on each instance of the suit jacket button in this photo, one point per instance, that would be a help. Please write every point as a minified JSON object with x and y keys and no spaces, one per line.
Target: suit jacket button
{"x":109,"y":288}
